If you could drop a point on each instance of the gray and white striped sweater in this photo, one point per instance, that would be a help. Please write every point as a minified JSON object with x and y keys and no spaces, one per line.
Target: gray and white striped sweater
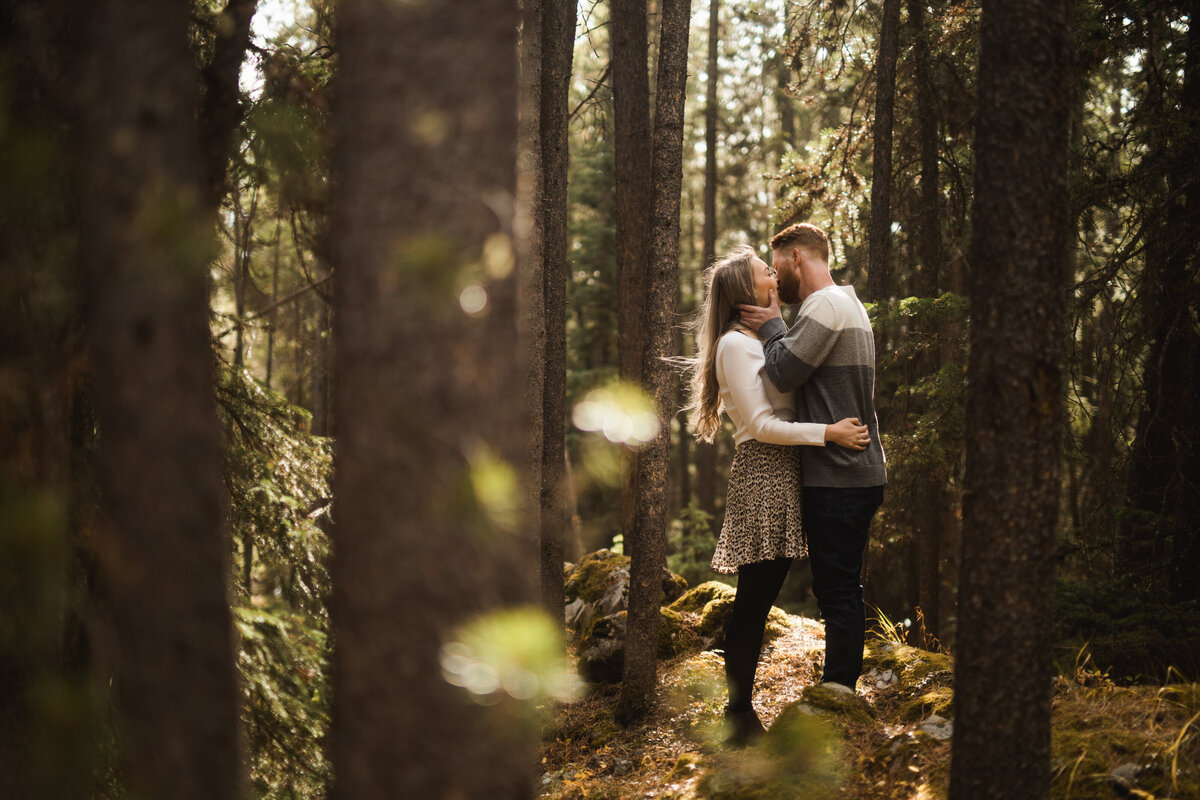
{"x":828,"y":358}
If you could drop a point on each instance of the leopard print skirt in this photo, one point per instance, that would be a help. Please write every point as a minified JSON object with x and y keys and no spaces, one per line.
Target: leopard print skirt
{"x":762,"y":507}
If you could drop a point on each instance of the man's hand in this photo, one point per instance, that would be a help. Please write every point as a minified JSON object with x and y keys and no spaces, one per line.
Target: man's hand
{"x":754,"y":317}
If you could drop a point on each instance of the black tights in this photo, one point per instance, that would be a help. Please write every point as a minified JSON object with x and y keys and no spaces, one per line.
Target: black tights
{"x":758,"y":586}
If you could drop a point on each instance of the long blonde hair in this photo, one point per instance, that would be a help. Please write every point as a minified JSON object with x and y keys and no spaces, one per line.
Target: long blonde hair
{"x":729,"y":281}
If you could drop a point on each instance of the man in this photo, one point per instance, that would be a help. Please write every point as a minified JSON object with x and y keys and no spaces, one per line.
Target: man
{"x":828,"y":359}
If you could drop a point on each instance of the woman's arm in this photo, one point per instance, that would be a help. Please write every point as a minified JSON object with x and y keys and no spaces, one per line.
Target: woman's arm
{"x":740,"y":359}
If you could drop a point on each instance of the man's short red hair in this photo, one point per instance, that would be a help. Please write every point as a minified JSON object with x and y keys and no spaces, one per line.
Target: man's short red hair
{"x":808,"y":237}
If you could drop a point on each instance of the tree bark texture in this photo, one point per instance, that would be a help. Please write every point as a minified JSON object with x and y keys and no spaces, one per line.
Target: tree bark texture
{"x":160,"y":538}
{"x":631,"y":129}
{"x":1165,"y":470}
{"x":706,"y":452}
{"x":531,"y":286}
{"x":648,"y":546}
{"x":880,"y":227}
{"x":1020,"y":255}
{"x":929,"y":255}
{"x":711,"y":112}
{"x":428,"y":410}
{"x":929,"y":234}
{"x":558,"y":48}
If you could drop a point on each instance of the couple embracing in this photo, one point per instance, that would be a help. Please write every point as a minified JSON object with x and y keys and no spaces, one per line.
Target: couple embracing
{"x":808,"y":469}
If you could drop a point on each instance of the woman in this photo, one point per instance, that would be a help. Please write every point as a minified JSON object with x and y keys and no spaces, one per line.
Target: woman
{"x":761,"y":534}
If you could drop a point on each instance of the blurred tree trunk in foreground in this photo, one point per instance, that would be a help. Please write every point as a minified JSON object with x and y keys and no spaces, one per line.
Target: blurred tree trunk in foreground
{"x":428,"y":410}
{"x":647,"y":547}
{"x":159,"y":538}
{"x":49,"y":709}
{"x":1019,"y":255}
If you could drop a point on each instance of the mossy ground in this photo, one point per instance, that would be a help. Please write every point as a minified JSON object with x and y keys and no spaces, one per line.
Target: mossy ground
{"x":1150,"y":732}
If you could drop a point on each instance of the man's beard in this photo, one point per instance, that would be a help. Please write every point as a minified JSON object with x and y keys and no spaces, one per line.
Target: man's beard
{"x":789,"y":288}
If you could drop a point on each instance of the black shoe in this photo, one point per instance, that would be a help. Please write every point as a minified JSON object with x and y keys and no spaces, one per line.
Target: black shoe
{"x":745,"y":728}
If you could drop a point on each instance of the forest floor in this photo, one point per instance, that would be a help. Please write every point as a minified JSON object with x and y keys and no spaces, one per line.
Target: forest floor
{"x":890,"y":743}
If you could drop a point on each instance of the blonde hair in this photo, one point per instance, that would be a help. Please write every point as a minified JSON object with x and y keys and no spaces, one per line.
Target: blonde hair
{"x":729,"y":281}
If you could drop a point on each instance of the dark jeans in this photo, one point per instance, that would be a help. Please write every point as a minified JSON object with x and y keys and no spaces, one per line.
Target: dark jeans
{"x":836,"y":523}
{"x":758,"y":586}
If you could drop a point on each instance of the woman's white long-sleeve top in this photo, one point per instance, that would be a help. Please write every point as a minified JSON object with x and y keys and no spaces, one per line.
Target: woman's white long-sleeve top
{"x":758,"y":410}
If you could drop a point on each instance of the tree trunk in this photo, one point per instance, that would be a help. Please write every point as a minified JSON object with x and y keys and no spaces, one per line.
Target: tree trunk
{"x":429,"y":423}
{"x":929,"y":253}
{"x":880,"y":233}
{"x":160,"y":539}
{"x":531,"y":288}
{"x":1019,"y":253}
{"x":46,"y":749}
{"x":1165,"y":465}
{"x":648,"y":545}
{"x":558,"y":47}
{"x":710,"y":135}
{"x":631,"y":126}
{"x":706,"y":452}
{"x":929,"y":235}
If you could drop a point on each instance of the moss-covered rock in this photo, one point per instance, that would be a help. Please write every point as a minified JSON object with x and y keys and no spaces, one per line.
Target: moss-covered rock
{"x":938,"y":700}
{"x":695,"y":599}
{"x":599,"y":587}
{"x":800,"y":757}
{"x":675,"y":636}
{"x":715,"y":616}
{"x":918,"y":681}
{"x":594,"y":575}
{"x":602,"y":647}
{"x":833,"y":700}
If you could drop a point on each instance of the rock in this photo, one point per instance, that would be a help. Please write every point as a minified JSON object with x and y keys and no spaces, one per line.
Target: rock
{"x":881,"y":679}
{"x":833,"y":699}
{"x":602,"y":652}
{"x":1125,"y":774}
{"x":938,"y":727}
{"x":599,"y":587}
{"x":602,"y":649}
{"x":1132,"y":780}
{"x":576,"y":613}
{"x":939,"y":701}
{"x":695,"y":599}
{"x":713,"y":601}
{"x":920,"y":682}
